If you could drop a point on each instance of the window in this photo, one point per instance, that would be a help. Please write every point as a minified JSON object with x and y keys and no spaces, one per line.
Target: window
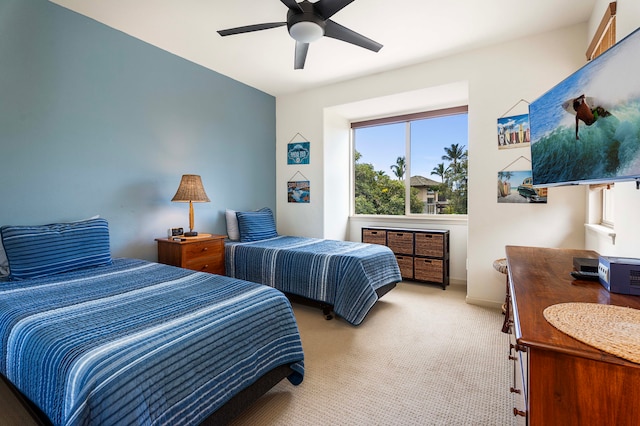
{"x":607,"y":206}
{"x":411,"y":164}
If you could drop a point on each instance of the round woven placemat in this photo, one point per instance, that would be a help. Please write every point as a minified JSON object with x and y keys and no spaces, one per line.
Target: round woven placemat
{"x":612,"y":329}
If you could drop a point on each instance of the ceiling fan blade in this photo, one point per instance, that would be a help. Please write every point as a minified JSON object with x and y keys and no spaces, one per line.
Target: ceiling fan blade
{"x":337,"y":31}
{"x":328,"y":8}
{"x":250,"y":28}
{"x":292,"y":5}
{"x":301,"y":55}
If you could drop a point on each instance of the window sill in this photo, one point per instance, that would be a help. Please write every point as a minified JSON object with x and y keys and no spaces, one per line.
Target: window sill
{"x":602,"y":230}
{"x":414,"y":219}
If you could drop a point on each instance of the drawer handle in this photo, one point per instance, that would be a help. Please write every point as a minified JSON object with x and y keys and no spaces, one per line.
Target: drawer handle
{"x":204,"y":268}
{"x":517,"y":412}
{"x":374,"y":232}
{"x":514,"y":390}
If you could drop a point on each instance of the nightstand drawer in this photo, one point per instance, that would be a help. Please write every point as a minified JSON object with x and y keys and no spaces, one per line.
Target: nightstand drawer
{"x":205,"y":254}
{"x":203,"y":249}
{"x":209,"y":264}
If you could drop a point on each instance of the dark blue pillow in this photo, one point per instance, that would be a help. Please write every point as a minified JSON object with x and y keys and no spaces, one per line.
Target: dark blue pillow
{"x":256,"y":226}
{"x":37,"y":251}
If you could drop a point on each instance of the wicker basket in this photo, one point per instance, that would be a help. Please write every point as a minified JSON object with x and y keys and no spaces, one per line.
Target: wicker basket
{"x":406,"y":266}
{"x":429,"y":244}
{"x":400,"y":242}
{"x":374,"y":236}
{"x":429,"y":270}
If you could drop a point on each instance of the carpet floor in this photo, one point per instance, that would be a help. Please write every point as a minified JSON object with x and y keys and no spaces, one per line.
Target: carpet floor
{"x":421,"y":357}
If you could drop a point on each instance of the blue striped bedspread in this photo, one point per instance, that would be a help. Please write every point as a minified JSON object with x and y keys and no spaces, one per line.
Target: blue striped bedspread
{"x":344,"y":274}
{"x":139,"y":343}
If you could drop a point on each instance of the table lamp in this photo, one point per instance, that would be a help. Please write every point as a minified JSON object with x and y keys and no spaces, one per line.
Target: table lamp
{"x":191,"y":191}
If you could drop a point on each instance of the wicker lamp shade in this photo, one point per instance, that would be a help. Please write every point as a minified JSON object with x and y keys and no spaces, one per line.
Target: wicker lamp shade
{"x":191,"y":191}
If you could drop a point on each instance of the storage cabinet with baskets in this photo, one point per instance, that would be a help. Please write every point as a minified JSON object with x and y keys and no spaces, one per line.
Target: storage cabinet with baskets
{"x":423,"y":255}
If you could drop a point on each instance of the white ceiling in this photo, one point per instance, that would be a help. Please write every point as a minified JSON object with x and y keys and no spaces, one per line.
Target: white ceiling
{"x":412,"y":31}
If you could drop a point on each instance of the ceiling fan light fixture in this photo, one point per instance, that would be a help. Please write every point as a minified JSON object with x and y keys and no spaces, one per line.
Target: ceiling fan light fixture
{"x":306,"y":32}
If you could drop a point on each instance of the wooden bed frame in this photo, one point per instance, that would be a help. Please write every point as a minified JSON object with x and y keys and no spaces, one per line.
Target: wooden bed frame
{"x":18,"y":410}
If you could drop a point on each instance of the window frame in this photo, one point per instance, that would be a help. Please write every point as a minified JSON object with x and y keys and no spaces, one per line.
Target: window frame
{"x":395,"y":119}
{"x":603,"y":39}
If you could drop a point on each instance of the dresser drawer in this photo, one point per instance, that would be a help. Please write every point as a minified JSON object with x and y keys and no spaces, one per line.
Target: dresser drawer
{"x":429,"y":270}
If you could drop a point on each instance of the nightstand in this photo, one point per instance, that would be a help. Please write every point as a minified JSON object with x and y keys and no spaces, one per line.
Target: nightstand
{"x":205,"y":254}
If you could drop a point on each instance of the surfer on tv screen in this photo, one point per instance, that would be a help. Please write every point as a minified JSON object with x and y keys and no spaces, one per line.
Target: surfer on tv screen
{"x":587,"y":114}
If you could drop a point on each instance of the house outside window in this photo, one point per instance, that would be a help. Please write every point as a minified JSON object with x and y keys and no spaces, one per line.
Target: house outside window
{"x":429,"y":147}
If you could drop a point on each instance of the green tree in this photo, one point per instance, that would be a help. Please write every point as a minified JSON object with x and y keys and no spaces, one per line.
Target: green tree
{"x":399,"y":168}
{"x":456,"y":154}
{"x":440,"y":170}
{"x":377,"y":193}
{"x":455,"y":178}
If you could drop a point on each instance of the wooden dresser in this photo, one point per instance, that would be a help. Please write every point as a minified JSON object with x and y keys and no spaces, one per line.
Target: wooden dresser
{"x":557,"y":379}
{"x":205,"y":254}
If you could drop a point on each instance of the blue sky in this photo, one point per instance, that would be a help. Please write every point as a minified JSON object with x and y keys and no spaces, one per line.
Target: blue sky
{"x":382,"y":145}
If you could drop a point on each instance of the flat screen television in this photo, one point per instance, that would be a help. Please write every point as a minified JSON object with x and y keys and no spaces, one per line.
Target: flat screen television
{"x":587,"y":128}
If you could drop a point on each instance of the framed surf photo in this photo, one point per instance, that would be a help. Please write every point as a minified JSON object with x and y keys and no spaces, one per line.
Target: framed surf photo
{"x":514,"y":131}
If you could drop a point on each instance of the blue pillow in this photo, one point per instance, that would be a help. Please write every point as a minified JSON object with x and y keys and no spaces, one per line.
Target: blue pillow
{"x":37,"y":251}
{"x":256,"y":226}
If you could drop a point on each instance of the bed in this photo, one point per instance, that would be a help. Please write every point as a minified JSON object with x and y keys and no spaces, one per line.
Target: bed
{"x":127,"y":341}
{"x":344,"y":277}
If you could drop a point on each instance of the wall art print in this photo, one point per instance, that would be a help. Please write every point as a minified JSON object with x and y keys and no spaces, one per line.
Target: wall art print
{"x":514,"y":131}
{"x":298,"y":153}
{"x":517,"y":187}
{"x":298,"y":191}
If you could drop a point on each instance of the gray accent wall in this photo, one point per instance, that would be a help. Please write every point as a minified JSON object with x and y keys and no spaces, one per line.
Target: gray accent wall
{"x":96,"y":122}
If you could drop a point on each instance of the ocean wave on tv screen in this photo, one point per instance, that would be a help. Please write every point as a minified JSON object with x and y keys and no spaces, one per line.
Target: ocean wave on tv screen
{"x":608,"y":149}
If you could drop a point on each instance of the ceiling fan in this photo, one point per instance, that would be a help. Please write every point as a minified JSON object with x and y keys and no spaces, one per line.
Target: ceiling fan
{"x":308,"y":22}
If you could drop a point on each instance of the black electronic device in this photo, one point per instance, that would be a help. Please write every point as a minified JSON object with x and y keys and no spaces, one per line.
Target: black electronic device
{"x":585,"y":264}
{"x":175,"y":232}
{"x":585,"y":275}
{"x":620,"y":274}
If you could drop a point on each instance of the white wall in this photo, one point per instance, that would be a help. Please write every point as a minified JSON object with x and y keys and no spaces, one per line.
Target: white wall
{"x":627,"y":197}
{"x":495,"y":78}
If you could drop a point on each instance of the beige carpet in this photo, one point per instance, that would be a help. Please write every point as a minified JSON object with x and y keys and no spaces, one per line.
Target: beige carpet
{"x":421,"y":357}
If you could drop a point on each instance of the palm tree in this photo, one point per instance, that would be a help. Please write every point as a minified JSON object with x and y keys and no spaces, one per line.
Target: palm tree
{"x":399,"y":168}
{"x":440,"y":170}
{"x":455,"y":154}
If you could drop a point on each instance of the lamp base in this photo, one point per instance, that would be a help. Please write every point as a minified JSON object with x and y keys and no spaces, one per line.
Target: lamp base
{"x":191,"y":234}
